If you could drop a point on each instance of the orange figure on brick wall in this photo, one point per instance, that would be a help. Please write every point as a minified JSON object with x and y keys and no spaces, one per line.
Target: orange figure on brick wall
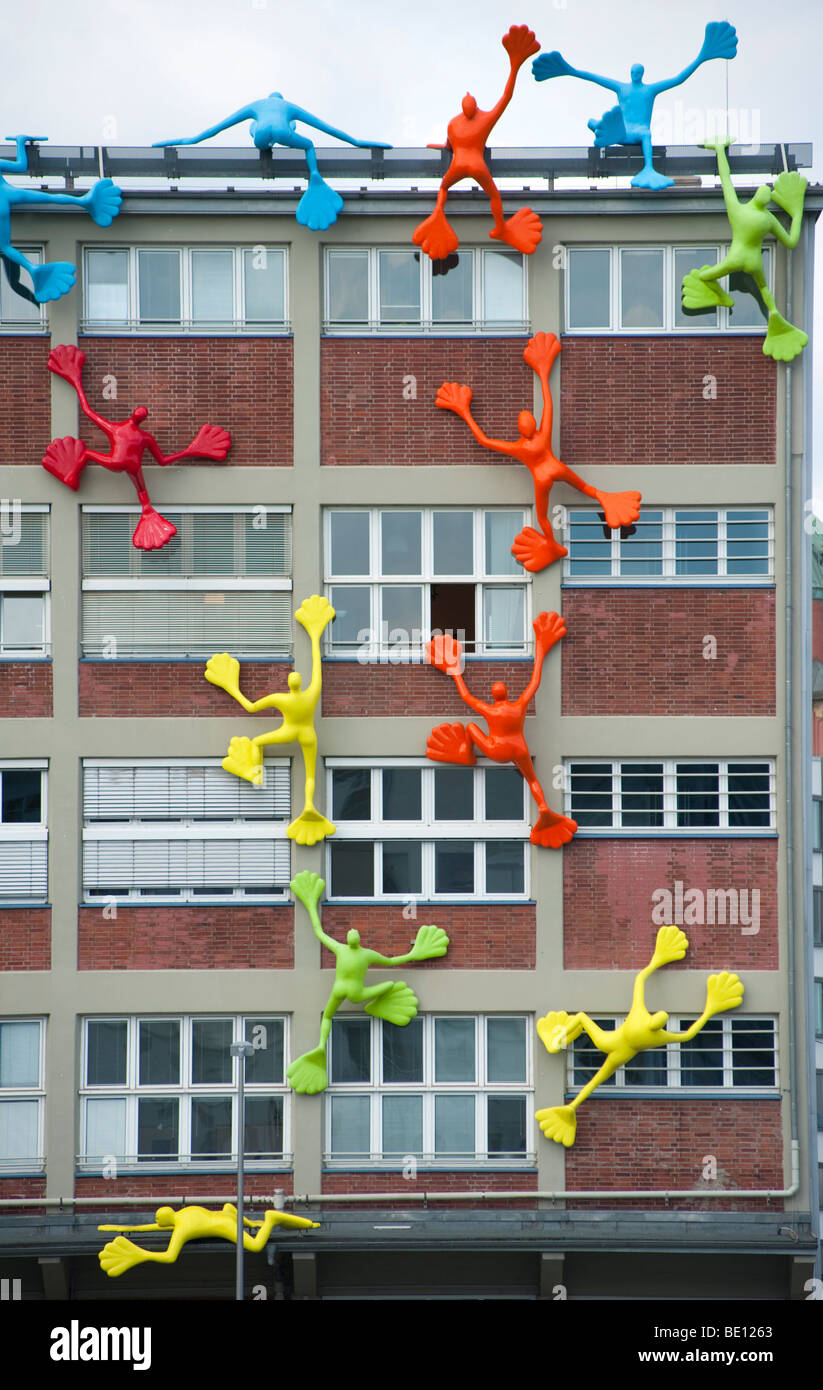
{"x":505,"y":741}
{"x":534,"y":448}
{"x":467,"y":135}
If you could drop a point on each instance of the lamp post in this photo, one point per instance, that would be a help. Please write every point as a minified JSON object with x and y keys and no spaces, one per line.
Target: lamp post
{"x":240,"y":1050}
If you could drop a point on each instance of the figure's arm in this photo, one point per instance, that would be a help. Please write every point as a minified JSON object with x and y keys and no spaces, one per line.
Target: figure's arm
{"x":520,"y":44}
{"x":430,"y":941}
{"x":298,"y":113}
{"x":719,"y":146}
{"x":720,"y":41}
{"x":723,"y":992}
{"x":549,"y":628}
{"x":555,"y":65}
{"x":224,"y":670}
{"x":152,"y":1226}
{"x":453,"y":396}
{"x":246,"y":113}
{"x":20,"y":163}
{"x":308,"y":888}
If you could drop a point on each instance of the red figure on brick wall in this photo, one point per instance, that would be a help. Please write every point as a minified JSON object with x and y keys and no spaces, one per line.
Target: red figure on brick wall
{"x":466,"y":138}
{"x":66,"y":458}
{"x":534,"y":448}
{"x":505,"y":742}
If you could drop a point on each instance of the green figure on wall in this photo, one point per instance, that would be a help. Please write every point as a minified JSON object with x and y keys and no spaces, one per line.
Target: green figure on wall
{"x":751,"y":222}
{"x":391,"y":1000}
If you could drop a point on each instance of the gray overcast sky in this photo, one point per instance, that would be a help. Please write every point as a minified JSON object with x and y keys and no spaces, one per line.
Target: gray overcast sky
{"x":134,"y":71}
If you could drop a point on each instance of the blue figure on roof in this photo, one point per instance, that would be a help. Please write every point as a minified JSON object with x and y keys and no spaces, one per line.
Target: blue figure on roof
{"x":50,"y":281}
{"x":629,"y":122}
{"x":272,"y":123}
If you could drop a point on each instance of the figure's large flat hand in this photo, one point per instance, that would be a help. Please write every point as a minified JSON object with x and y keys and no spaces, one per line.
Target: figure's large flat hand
{"x":308,"y":887}
{"x":719,"y":142}
{"x":720,"y":41}
{"x":520,"y":44}
{"x":541,"y":350}
{"x":430,"y":941}
{"x":446,"y":654}
{"x":66,"y":360}
{"x":550,"y":65}
{"x":315,"y":614}
{"x":671,"y":945}
{"x":453,"y":396}
{"x":723,"y":991}
{"x":548,"y":629}
{"x":210,"y":442}
{"x":224,"y":670}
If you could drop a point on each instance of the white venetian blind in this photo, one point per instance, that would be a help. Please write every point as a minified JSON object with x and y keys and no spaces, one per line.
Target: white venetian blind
{"x":24,"y":871}
{"x":118,"y":865}
{"x":24,"y":547}
{"x":175,"y":792}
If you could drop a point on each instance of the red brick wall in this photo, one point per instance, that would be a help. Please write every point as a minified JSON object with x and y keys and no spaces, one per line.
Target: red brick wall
{"x":648,"y":1143}
{"x":429,"y":1181}
{"x":184,"y":1184}
{"x":21,"y":1187}
{"x":607,"y":903}
{"x":243,"y":384}
{"x":26,"y":689}
{"x":493,"y":937}
{"x":817,"y":629}
{"x":218,"y":937}
{"x":350,"y":688}
{"x":640,"y":651}
{"x":364,"y":418}
{"x":639,"y":400}
{"x":157,"y":689}
{"x":25,"y":938}
{"x":25,"y":401}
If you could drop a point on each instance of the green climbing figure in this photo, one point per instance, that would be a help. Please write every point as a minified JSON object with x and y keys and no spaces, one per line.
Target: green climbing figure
{"x":750,"y":223}
{"x":391,"y":1000}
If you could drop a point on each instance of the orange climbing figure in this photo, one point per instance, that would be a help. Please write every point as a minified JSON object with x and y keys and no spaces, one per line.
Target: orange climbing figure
{"x":467,"y":136}
{"x":505,"y":741}
{"x":534,"y":448}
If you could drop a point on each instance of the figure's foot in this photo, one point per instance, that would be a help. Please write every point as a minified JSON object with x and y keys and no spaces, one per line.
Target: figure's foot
{"x":153,"y":531}
{"x":671,"y":945}
{"x":52,"y":281}
{"x":783,"y":341}
{"x":67,"y":361}
{"x":534,"y":551}
{"x":552,"y":831}
{"x":559,"y":1123}
{"x":523,"y":231}
{"x":553,"y":1031}
{"x":223,"y":670}
{"x":119,"y":1255}
{"x":649,"y":178}
{"x":103,"y":202}
{"x":398,"y":1005}
{"x":65,"y":459}
{"x":436,"y":237}
{"x":309,"y":827}
{"x":319,"y":206}
{"x":245,"y":759}
{"x":703,"y":294}
{"x":620,"y":508}
{"x":723,"y":991}
{"x":449,"y":743}
{"x":307,"y":1074}
{"x":314,"y":614}
{"x":541,"y":350}
{"x":292,"y":1222}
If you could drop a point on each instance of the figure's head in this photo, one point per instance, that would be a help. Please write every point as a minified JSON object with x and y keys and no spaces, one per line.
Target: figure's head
{"x":164,"y":1216}
{"x":353,"y":937}
{"x":295,"y":680}
{"x":637,"y":72}
{"x":469,"y":106}
{"x":526,"y":424}
{"x":499,"y":692}
{"x":139,"y":414}
{"x":277,"y":96}
{"x":762,"y":196}
{"x":658,"y":1020}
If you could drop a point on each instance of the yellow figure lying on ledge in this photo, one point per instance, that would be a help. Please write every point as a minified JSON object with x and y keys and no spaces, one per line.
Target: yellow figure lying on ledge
{"x":640,"y":1030}
{"x":190,"y":1223}
{"x":297,"y":706}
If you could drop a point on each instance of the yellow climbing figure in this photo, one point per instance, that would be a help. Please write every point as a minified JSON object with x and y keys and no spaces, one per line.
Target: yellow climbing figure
{"x":191,"y":1223}
{"x":297,"y":706}
{"x":640,"y":1030}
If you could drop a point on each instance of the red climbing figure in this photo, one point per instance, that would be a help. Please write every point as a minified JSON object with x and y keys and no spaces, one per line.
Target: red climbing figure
{"x":66,"y":458}
{"x":505,"y":742}
{"x":534,"y":448}
{"x":467,"y":136}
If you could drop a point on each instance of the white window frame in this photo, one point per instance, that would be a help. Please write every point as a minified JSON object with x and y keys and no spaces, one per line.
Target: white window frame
{"x":672,"y":1051}
{"x":27,"y":832}
{"x":427,"y":831}
{"x":32,"y":1163}
{"x":425,"y":325}
{"x":36,"y":254}
{"x":185,"y":324}
{"x":668,"y":576}
{"x":480,"y":1088}
{"x":184,"y":1091}
{"x":670,"y":826}
{"x":724,"y":324}
{"x":35,"y":585}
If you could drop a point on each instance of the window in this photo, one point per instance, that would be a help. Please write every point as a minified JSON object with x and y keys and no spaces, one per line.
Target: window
{"x":637,"y":289}
{"x":19,"y":311}
{"x":400,"y":291}
{"x":449,"y":1090}
{"x":818,"y":1008}
{"x":22,"y":1095}
{"x":24,"y":581}
{"x":221,"y":584}
{"x":198,"y":289}
{"x":406,"y":829}
{"x":819,"y":1088}
{"x":24,"y":874}
{"x":668,"y":794}
{"x":684,"y":545}
{"x":729,"y":1052}
{"x":158,"y":1091}
{"x":183,"y":831}
{"x":396,"y":576}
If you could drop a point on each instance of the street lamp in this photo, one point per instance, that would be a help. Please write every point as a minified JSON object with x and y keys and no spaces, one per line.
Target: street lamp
{"x":240,"y":1050}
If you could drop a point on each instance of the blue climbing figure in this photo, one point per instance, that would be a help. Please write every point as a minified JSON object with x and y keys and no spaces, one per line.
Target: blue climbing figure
{"x":629,"y":122}
{"x":53,"y":280}
{"x":272,"y":123}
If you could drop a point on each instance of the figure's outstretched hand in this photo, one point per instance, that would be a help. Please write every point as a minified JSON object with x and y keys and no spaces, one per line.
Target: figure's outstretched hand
{"x":315,"y":614}
{"x":520,"y":44}
{"x":548,"y":629}
{"x":719,"y":142}
{"x":453,"y":396}
{"x":550,"y":65}
{"x":723,"y":991}
{"x":671,"y":945}
{"x":446,"y":654}
{"x":67,"y":361}
{"x":210,"y":442}
{"x":371,"y":145}
{"x":223,"y":670}
{"x":29,"y":139}
{"x":430,"y":941}
{"x":541,"y":350}
{"x":308,"y":887}
{"x":720,"y":41}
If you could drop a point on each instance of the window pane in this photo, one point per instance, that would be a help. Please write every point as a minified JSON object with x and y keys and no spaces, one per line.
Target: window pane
{"x":698,"y":794}
{"x":13,"y":307}
{"x":685,"y":260}
{"x":107,"y":286}
{"x":641,"y":794}
{"x":159,"y":1052}
{"x":749,"y":310}
{"x":502,"y":287}
{"x":22,"y":622}
{"x":400,"y":542}
{"x":211,"y":1127}
{"x":401,"y":793}
{"x":501,"y":529}
{"x":106,"y":1128}
{"x":454,"y":793}
{"x":701,"y":1060}
{"x":402,"y":867}
{"x":18,"y":1130}
{"x":454,"y":1124}
{"x":696,"y":542}
{"x":21,"y":796}
{"x":348,"y":273}
{"x":752,"y":1052}
{"x":106,"y":1041}
{"x":264,"y":1126}
{"x":159,"y":282}
{"x":158,"y":1127}
{"x":589,"y":305}
{"x":747,"y":542}
{"x":263,"y":279}
{"x":506,"y":1044}
{"x":647,"y":1069}
{"x":505,"y":871}
{"x":591,"y":793}
{"x":352,"y":870}
{"x":265,"y":1066}
{"x":505,"y":617}
{"x":351,"y":793}
{"x":590,"y":545}
{"x":507,"y":1124}
{"x":19,"y":1054}
{"x":749,"y":798}
{"x":349,"y":1125}
{"x":454,"y":1049}
{"x":403,"y":1052}
{"x":587,"y":1059}
{"x":402,"y":1124}
{"x":641,"y":290}
{"x":453,"y":543}
{"x":454,"y":867}
{"x":212,"y":288}
{"x":351,"y":1049}
{"x":504,"y":793}
{"x":352,"y":624}
{"x":350,"y":543}
{"x":642,"y":553}
{"x":211,"y":1060}
{"x":402,"y":614}
{"x":452,"y":292}
{"x":400,"y":286}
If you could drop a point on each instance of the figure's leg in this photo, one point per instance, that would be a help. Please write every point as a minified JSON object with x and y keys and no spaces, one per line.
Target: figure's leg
{"x":153,"y":530}
{"x":550,"y":829}
{"x":783,"y":341}
{"x":620,"y":508}
{"x":50,"y":281}
{"x":700,"y":290}
{"x":392,"y":1001}
{"x":320,"y":204}
{"x":308,"y":1074}
{"x":449,"y":743}
{"x":558,"y":1030}
{"x":523,"y":230}
{"x":435,"y":235}
{"x":311,"y":825}
{"x":560,"y":1121}
{"x":648,"y":176}
{"x":531,"y":549}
